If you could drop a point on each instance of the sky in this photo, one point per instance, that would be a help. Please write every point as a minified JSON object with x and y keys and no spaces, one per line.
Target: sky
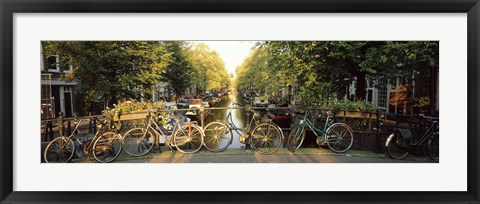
{"x":232,"y":52}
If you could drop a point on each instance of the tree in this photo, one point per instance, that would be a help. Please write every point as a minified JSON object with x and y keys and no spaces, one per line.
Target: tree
{"x":410,"y":60}
{"x":179,"y":73}
{"x":111,"y":70}
{"x":209,"y":67}
{"x":254,"y":72}
{"x":323,"y":69}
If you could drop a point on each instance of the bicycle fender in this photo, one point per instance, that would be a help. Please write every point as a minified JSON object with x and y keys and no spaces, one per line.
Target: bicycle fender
{"x":389,"y":138}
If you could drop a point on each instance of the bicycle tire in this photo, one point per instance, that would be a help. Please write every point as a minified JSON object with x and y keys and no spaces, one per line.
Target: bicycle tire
{"x":188,"y":138}
{"x":266,"y":138}
{"x":217,"y":136}
{"x":394,"y":149}
{"x":433,"y":147}
{"x":107,"y":147}
{"x":57,"y":149}
{"x":339,"y":137}
{"x":138,"y":141}
{"x":295,"y":138}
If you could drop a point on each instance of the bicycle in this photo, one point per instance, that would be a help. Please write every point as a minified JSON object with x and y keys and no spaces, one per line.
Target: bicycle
{"x":401,"y":141}
{"x":186,"y":137}
{"x":338,"y":136}
{"x":264,"y":138}
{"x":104,"y":147}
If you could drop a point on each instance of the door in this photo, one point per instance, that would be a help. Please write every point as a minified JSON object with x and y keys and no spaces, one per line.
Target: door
{"x":68,"y":104}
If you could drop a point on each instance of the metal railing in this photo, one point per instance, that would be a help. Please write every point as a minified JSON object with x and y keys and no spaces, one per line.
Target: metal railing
{"x":62,"y":126}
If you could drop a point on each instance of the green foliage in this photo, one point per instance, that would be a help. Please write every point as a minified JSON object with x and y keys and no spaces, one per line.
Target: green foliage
{"x":255,"y":71}
{"x":400,"y":58}
{"x":209,"y":68}
{"x":179,"y":73}
{"x":333,"y":103}
{"x":322,"y":69}
{"x":421,"y":102}
{"x":127,"y":107}
{"x":111,"y":70}
{"x":356,"y":106}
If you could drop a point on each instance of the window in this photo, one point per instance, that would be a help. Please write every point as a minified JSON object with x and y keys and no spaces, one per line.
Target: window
{"x":370,"y":96}
{"x":52,"y":63}
{"x":67,"y":68}
{"x":370,"y":89}
{"x":66,"y":89}
{"x":382,"y":93}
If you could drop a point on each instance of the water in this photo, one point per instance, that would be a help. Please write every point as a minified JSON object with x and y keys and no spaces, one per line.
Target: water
{"x":238,"y":115}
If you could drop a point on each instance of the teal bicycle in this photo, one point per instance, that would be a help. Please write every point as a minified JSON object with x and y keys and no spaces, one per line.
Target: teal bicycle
{"x":338,"y":136}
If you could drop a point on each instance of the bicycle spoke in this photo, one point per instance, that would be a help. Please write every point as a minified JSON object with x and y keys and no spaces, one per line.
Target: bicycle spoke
{"x":339,"y":138}
{"x":266,"y":138}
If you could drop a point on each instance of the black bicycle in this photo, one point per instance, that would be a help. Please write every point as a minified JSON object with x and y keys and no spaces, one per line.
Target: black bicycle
{"x":402,"y":141}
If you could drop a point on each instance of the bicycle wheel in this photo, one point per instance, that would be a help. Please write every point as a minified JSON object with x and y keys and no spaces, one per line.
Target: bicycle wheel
{"x":266,"y":138}
{"x":59,"y":150}
{"x":107,"y":147}
{"x":394,"y":148}
{"x":295,"y":138}
{"x":339,"y":137}
{"x":188,"y":138}
{"x":138,"y":142}
{"x":217,"y":136}
{"x":433,"y":147}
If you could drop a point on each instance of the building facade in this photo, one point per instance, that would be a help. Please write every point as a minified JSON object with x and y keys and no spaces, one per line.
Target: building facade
{"x":56,"y":92}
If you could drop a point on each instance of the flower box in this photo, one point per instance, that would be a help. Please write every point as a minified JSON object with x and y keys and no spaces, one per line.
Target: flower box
{"x":129,"y":116}
{"x":356,"y":114}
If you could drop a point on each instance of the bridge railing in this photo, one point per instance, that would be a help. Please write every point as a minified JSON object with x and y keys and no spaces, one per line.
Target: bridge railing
{"x":62,"y":126}
{"x":366,"y":125}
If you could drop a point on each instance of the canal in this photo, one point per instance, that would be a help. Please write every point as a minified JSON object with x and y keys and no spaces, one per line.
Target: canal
{"x":239,"y":116}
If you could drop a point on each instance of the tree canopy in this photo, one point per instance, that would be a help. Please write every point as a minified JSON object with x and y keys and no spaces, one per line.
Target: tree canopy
{"x":209,"y":67}
{"x":179,"y":73}
{"x":322,"y":69}
{"x":111,"y":70}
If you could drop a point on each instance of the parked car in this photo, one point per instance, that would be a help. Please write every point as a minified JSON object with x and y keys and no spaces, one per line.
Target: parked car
{"x":171,"y":106}
{"x":206,"y":105}
{"x":183,"y":103}
{"x":261,"y":101}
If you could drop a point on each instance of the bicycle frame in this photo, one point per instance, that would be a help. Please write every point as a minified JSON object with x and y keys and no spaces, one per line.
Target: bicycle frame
{"x":232,"y":125}
{"x":320,"y":134}
{"x":159,"y":132}
{"x":157,"y":129}
{"x":428,"y":133}
{"x":75,"y":132}
{"x":414,"y":142}
{"x":88,"y":145}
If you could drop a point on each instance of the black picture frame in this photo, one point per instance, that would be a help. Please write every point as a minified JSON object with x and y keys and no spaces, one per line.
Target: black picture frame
{"x":10,"y":7}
